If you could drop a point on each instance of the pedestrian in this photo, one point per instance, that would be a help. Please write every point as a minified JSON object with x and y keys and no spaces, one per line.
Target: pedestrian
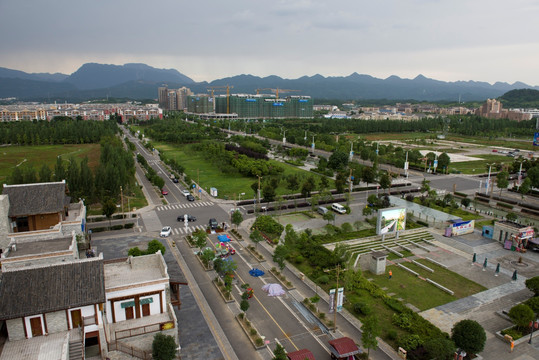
{"x":512,"y":345}
{"x":390,"y":274}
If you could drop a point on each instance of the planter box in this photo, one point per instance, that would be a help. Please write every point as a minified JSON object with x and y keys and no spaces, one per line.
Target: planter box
{"x":246,"y":331}
{"x":222,"y":294}
{"x":260,"y":259}
{"x":524,"y":338}
{"x":282,"y":282}
{"x":201,"y":263}
{"x":188,"y":243}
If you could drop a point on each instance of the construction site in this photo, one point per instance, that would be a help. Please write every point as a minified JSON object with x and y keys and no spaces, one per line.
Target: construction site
{"x":251,"y":106}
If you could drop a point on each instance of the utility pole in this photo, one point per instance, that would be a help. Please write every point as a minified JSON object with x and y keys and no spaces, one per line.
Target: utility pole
{"x":122,"y":201}
{"x":488,"y":180}
{"x":198,"y":183}
{"x":350,"y":191}
{"x":406,"y":165}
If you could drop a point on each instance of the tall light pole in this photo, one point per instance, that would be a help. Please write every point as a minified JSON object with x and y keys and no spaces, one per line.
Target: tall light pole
{"x":312,"y":145}
{"x":284,"y":137}
{"x":351,"y":150}
{"x":305,"y":137}
{"x":406,"y":166}
{"x":488,"y":180}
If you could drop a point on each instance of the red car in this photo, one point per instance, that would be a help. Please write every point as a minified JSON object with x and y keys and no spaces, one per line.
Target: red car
{"x":164,"y":192}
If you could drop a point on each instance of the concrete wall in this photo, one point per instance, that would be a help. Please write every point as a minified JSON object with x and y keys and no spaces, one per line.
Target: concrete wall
{"x":56,"y":321}
{"x":15,"y":329}
{"x":5,"y":227}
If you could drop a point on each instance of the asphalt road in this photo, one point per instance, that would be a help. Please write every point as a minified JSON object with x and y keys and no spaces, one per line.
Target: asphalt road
{"x":281,"y":319}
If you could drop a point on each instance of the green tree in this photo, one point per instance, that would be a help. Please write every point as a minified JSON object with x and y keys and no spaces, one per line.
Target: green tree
{"x":59,"y":170}
{"x":45,"y":173}
{"x":108,"y":208}
{"x":443,"y":161}
{"x":329,"y":216}
{"x":465,"y":202}
{"x":158,"y":181}
{"x":279,"y":353}
{"x":385,"y":181}
{"x":207,"y":256}
{"x":256,"y":236}
{"x":237,"y":218}
{"x":502,"y":180}
{"x":521,"y":315}
{"x":370,"y":330}
{"x":135,"y":252}
{"x":525,"y":187}
{"x":338,"y":160}
{"x":439,"y":348}
{"x":292,"y":182}
{"x":279,"y":255}
{"x":154,"y":246}
{"x":163,"y":347}
{"x":16,"y":176}
{"x":244,"y":305}
{"x":368,"y":175}
{"x":533,"y":285}
{"x":200,"y":239}
{"x":268,"y":192}
{"x":511,"y":216}
{"x":469,"y":335}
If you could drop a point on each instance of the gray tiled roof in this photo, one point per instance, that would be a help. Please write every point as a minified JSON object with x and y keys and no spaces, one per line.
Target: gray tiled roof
{"x":38,"y":290}
{"x":34,"y":199}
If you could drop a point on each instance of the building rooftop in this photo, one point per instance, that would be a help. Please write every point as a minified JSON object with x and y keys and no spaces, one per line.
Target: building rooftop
{"x":512,"y":224}
{"x":135,"y":270}
{"x":42,"y":289}
{"x":35,"y":199}
{"x":40,"y":247}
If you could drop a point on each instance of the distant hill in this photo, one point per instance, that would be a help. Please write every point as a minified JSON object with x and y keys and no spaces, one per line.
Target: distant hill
{"x":140,"y":81}
{"x":520,"y":98}
{"x":96,"y":76}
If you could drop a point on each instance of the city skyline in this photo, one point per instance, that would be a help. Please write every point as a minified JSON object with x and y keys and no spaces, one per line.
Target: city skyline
{"x":444,"y":40}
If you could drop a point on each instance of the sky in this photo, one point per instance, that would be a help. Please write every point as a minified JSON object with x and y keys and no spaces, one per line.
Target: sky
{"x":449,"y":40}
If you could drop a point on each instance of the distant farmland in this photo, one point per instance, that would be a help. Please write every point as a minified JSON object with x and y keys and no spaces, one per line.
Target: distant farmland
{"x":36,"y":156}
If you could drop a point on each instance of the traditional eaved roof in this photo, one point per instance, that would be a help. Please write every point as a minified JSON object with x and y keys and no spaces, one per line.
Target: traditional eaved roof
{"x":35,"y":199}
{"x":302,"y":354}
{"x":42,"y":289}
{"x":344,"y":347}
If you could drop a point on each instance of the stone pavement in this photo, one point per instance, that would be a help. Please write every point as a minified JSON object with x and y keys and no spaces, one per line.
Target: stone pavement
{"x":502,"y":293}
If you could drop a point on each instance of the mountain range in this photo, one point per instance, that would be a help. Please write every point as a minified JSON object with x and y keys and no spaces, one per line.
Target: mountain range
{"x":140,"y":82}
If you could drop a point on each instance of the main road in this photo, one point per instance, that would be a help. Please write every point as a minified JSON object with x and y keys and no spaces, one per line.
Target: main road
{"x":281,"y":320}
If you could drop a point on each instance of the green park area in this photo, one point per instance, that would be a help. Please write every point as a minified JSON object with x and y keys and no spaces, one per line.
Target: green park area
{"x":480,"y":166}
{"x":36,"y":156}
{"x":418,"y":292}
{"x":230,"y":184}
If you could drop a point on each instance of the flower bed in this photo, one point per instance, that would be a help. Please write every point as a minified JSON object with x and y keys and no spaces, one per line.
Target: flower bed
{"x":236,"y":234}
{"x":227,"y":297}
{"x":282,"y":279}
{"x":250,"y":331}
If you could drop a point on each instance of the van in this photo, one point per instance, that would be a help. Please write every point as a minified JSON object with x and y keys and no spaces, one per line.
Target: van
{"x":338,"y":208}
{"x":322,"y":210}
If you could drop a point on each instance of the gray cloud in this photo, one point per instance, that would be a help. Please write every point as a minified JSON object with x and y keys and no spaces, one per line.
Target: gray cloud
{"x":446,"y":39}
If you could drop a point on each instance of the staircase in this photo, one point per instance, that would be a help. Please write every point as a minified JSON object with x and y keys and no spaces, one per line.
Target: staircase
{"x":76,"y":345}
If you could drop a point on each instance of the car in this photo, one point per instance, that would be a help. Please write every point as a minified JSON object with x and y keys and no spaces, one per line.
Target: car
{"x":189,"y":218}
{"x":190,"y":197}
{"x":166,"y":231}
{"x":175,"y":181}
{"x":213,"y":224}
{"x":185,"y":192}
{"x":164,"y":192}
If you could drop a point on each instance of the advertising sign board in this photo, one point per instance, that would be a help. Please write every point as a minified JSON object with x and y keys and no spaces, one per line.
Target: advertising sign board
{"x":391,"y":220}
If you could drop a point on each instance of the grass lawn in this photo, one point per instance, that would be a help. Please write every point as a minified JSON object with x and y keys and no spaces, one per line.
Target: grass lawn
{"x":204,"y":172}
{"x":479,"y":166}
{"x":36,"y":156}
{"x":422,"y":294}
{"x":405,"y":253}
{"x":463,"y":214}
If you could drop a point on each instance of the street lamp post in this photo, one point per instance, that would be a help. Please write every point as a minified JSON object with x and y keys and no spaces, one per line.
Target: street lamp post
{"x":122,"y":200}
{"x":488,"y":180}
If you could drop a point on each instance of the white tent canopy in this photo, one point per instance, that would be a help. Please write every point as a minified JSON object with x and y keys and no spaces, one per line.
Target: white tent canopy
{"x":273,"y":289}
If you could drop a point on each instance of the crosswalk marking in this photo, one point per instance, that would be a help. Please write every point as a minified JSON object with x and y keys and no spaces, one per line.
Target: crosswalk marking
{"x":183,"y":230}
{"x":184,"y":206}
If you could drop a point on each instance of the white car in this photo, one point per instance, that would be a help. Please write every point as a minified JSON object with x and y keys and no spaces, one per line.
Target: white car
{"x":165,"y":232}
{"x":185,"y":192}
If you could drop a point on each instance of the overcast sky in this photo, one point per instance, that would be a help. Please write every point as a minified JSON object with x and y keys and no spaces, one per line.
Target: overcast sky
{"x":450,"y":40}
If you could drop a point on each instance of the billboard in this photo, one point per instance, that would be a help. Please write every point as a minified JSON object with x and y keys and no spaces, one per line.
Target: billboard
{"x":536,"y":139}
{"x":463,"y":227}
{"x":331,"y":301}
{"x":391,"y":220}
